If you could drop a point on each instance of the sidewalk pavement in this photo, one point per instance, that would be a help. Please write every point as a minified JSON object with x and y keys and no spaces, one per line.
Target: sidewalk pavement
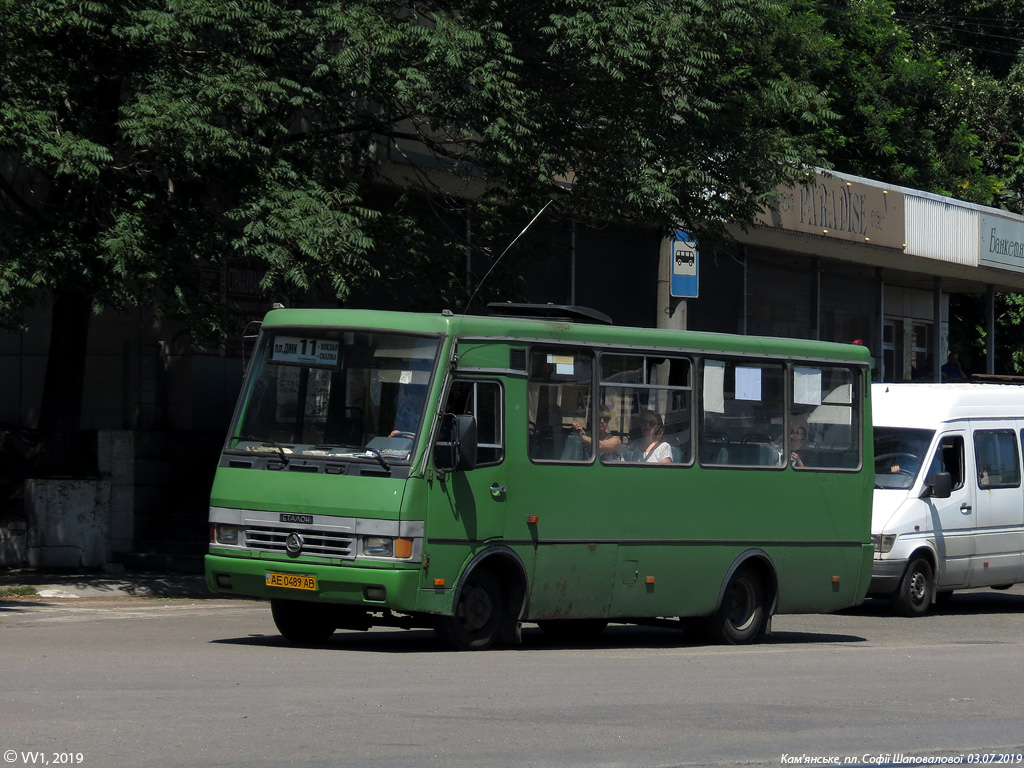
{"x":112,"y":582}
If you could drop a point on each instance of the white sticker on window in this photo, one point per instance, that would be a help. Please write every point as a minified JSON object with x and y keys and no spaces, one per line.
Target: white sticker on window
{"x":807,"y":386}
{"x":714,"y":386}
{"x":564,"y":364}
{"x":748,"y":383}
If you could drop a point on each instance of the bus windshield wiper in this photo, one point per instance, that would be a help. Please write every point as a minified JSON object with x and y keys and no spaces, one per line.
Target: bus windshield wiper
{"x":375,"y":454}
{"x":268,"y":444}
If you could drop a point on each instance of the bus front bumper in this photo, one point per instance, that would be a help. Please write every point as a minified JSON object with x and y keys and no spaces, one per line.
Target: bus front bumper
{"x":371,"y":588}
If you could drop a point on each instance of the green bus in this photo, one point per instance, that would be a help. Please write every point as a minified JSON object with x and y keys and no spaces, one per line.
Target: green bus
{"x":472,"y":473}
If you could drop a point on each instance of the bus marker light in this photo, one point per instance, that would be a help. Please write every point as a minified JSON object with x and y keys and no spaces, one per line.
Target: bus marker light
{"x":650,"y":579}
{"x":531,"y":519}
{"x":403,"y":547}
{"x":835,"y":579}
{"x":438,"y":582}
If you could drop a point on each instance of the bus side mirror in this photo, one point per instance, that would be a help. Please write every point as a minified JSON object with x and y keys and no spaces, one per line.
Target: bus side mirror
{"x":939,"y":486}
{"x":456,"y":446}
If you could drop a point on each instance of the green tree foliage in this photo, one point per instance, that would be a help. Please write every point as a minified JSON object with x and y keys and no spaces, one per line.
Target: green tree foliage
{"x":141,"y":140}
{"x":915,"y":108}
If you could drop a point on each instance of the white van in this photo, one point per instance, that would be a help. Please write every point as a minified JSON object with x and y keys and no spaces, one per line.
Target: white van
{"x":948,"y":505}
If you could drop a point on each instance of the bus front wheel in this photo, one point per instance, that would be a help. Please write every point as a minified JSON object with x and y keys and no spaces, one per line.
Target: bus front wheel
{"x":914,"y":596}
{"x":303,"y":623}
{"x":476,"y":619}
{"x":741,"y":614}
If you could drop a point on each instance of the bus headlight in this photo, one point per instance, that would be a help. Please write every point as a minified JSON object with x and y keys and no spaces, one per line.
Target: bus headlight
{"x":378,"y":546}
{"x":385,"y":546}
{"x":225,"y":534}
{"x":883,"y":542}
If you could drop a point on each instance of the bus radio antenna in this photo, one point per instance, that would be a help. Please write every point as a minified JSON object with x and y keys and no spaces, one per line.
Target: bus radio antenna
{"x":507,"y":249}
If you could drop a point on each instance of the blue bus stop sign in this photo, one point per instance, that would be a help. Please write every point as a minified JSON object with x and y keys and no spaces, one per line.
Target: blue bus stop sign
{"x":684,"y":281}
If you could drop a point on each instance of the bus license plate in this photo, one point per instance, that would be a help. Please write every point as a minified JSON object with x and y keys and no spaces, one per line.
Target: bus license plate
{"x":291,"y":581}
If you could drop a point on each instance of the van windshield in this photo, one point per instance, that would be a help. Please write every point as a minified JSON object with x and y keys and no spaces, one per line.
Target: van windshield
{"x":335,"y":394}
{"x":899,"y":453}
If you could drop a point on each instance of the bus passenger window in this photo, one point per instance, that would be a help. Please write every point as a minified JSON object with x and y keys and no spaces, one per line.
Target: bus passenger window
{"x":742,"y":414}
{"x":559,"y":394}
{"x":650,"y":388}
{"x":824,"y":404}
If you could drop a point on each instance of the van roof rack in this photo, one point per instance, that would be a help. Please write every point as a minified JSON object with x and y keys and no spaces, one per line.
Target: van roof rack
{"x":567,"y":312}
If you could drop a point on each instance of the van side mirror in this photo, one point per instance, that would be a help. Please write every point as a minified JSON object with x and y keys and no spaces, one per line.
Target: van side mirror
{"x":456,"y":444}
{"x":939,"y":486}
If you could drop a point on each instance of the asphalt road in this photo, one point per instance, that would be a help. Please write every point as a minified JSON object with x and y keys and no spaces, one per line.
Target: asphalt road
{"x":136,"y":681}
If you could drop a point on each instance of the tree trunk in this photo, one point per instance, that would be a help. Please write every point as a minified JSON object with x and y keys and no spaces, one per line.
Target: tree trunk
{"x":60,"y":417}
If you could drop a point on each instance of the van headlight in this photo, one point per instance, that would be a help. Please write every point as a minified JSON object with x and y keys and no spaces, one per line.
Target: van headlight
{"x":884,"y":542}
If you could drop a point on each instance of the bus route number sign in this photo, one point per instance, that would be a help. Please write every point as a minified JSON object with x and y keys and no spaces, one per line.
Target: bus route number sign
{"x":291,"y":581}
{"x":292,"y":349}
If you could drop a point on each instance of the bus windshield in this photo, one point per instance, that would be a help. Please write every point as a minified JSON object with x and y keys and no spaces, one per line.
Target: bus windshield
{"x":335,"y":394}
{"x":899,"y":453}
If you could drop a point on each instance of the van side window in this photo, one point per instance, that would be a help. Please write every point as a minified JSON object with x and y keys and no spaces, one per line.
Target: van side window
{"x":483,"y":400}
{"x":949,"y":457}
{"x":996,"y":456}
{"x":559,"y":393}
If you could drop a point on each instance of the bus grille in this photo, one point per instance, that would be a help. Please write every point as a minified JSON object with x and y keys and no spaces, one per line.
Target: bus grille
{"x":322,"y":543}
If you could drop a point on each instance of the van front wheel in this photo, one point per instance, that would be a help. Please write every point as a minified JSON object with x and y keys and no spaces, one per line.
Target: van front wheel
{"x":914,"y":597}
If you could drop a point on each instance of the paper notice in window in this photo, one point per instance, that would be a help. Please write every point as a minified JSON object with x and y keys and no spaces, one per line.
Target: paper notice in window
{"x":748,"y":383}
{"x":714,"y":386}
{"x":807,"y":386}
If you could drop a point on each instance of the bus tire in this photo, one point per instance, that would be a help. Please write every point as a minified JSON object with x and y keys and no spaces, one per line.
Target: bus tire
{"x":573,"y":630}
{"x":300,"y":622}
{"x":476,"y":617}
{"x":914,"y":596}
{"x":741,"y":615}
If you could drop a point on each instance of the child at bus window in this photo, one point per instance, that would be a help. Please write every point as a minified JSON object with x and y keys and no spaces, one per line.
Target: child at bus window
{"x":653,"y":449}
{"x":609,"y":445}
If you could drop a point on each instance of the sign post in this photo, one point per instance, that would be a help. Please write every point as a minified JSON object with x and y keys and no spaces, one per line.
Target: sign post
{"x":685,"y":257}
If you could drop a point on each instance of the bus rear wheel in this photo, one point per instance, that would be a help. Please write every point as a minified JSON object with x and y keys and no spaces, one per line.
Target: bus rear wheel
{"x":303,"y":623}
{"x":476,"y":619}
{"x":914,"y":596}
{"x":741,"y":615}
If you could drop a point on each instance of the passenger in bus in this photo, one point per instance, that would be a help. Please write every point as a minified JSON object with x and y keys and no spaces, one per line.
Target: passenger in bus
{"x":653,"y":449}
{"x":799,"y":449}
{"x":608,"y":444}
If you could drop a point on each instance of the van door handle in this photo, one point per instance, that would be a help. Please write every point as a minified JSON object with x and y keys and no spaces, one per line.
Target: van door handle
{"x":497,"y":490}
{"x":965,"y":508}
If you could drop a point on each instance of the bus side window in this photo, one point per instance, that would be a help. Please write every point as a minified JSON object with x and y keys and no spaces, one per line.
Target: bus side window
{"x":559,"y":394}
{"x":483,"y":400}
